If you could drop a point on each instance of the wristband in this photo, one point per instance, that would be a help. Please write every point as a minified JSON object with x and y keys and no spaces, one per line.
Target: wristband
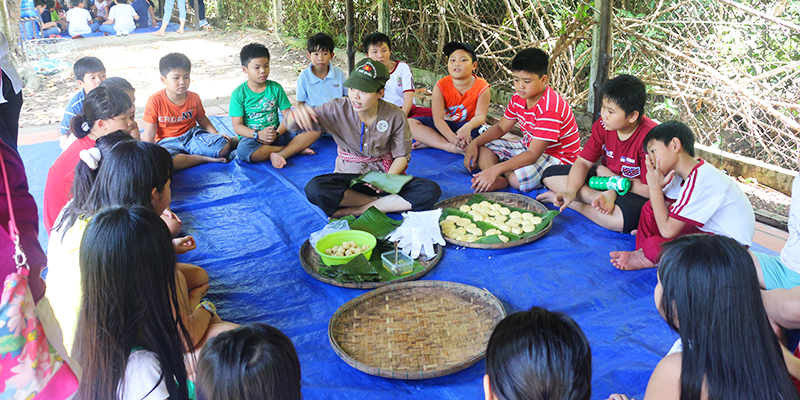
{"x":255,"y":135}
{"x":209,"y":306}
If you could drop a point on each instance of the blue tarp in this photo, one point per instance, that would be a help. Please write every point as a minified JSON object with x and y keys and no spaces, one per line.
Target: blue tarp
{"x":249,"y":221}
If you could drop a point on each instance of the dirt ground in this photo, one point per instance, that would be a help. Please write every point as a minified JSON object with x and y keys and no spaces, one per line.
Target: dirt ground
{"x":216,"y":71}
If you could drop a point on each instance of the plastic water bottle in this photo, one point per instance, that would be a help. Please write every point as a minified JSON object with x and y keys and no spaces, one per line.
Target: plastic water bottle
{"x":619,"y":184}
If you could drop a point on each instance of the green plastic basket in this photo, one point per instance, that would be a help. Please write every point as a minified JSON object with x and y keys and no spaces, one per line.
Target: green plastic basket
{"x":337,"y":238}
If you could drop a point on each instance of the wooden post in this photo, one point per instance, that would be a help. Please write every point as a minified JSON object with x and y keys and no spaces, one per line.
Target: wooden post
{"x":277,"y":15}
{"x":196,"y":15}
{"x":601,"y":55}
{"x":384,"y":18}
{"x":351,"y":32}
{"x":442,"y":27}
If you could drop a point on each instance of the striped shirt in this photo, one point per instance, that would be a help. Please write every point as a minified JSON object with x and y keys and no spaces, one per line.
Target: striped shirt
{"x":713,"y":202}
{"x":550,"y":119}
{"x":74,"y":108}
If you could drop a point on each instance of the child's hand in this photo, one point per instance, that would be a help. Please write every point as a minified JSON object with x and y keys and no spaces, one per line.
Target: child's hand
{"x":184,"y":244}
{"x":267,"y":135}
{"x":484,"y":180}
{"x":465,"y":137}
{"x":471,"y":157}
{"x":305,"y":117}
{"x":563,"y":200}
{"x":654,"y":173}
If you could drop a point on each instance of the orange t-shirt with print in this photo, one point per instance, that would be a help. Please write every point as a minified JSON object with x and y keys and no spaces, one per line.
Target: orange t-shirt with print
{"x":172,"y":120}
{"x":460,"y":107}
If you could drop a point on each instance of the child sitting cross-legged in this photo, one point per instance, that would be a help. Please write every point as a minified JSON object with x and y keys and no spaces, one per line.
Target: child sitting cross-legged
{"x":121,"y":19}
{"x":459,"y":104}
{"x":708,"y":292}
{"x":254,"y":361}
{"x":176,"y":120}
{"x":538,"y":354}
{"x":687,"y":195}
{"x":254,"y":108}
{"x":371,"y":135}
{"x":550,"y":134}
{"x":617,"y":142}
{"x":321,"y":81}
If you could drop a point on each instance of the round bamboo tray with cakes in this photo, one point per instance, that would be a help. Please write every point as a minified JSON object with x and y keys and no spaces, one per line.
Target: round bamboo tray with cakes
{"x":511,"y":201}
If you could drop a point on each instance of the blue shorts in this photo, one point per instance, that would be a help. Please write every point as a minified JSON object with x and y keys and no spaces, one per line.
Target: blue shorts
{"x":776,"y":275}
{"x":248,"y":146}
{"x":454,"y":126}
{"x":196,"y":141}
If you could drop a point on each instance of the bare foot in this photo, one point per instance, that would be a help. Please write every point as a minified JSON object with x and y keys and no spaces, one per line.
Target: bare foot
{"x":179,"y":31}
{"x":419,"y":145}
{"x":278,"y":161}
{"x":223,"y":160}
{"x":158,"y":33}
{"x":308,"y":152}
{"x":603,"y":204}
{"x":453,"y":148}
{"x":630,"y":260}
{"x":547,"y":197}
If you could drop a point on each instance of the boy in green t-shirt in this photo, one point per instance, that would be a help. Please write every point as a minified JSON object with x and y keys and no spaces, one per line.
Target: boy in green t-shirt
{"x":254,"y":108}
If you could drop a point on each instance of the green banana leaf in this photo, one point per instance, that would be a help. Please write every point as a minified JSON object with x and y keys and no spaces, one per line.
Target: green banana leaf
{"x":494,"y":239}
{"x":360,"y":270}
{"x":390,"y":183}
{"x":375,"y":222}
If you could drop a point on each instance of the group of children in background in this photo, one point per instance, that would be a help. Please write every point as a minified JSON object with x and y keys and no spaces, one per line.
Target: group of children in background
{"x":113,"y":17}
{"x":107,"y":199}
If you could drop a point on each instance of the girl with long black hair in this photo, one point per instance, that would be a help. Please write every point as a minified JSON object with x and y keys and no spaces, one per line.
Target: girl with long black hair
{"x":708,"y":292}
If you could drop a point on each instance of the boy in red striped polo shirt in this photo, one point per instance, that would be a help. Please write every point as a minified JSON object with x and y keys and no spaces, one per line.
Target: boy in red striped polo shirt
{"x":687,"y":195}
{"x":546,"y":120}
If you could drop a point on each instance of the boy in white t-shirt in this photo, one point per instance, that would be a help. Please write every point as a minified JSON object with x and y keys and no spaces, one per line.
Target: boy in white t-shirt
{"x":80,"y":20}
{"x":399,"y":88}
{"x":687,"y":195}
{"x":120,"y":19}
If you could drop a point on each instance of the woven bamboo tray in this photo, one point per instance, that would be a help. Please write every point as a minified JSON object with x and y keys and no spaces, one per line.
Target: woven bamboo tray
{"x":415,"y":330}
{"x":509,"y":199}
{"x":310,"y":260}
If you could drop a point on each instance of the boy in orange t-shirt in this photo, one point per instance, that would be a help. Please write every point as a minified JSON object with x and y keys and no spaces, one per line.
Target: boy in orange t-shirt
{"x":459,"y":104}
{"x":176,"y":120}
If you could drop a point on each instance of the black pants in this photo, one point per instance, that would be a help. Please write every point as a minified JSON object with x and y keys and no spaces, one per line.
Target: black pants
{"x":201,"y":5}
{"x":9,"y":113}
{"x":327,"y":191}
{"x":630,"y":204}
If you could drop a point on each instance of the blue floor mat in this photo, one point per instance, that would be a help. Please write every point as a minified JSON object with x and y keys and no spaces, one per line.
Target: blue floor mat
{"x":249,"y":221}
{"x":171,"y":27}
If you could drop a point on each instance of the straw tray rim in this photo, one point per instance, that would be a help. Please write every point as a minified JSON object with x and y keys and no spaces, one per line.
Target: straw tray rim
{"x":428,"y":292}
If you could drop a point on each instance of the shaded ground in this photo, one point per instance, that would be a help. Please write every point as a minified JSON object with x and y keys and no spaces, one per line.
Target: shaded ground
{"x":216,"y":71}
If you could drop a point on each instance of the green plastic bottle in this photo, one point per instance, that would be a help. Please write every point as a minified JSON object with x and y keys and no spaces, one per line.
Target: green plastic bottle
{"x":619,"y":184}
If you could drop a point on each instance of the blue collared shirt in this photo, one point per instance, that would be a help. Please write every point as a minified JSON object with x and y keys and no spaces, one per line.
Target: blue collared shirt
{"x":74,"y":108}
{"x":316,"y":92}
